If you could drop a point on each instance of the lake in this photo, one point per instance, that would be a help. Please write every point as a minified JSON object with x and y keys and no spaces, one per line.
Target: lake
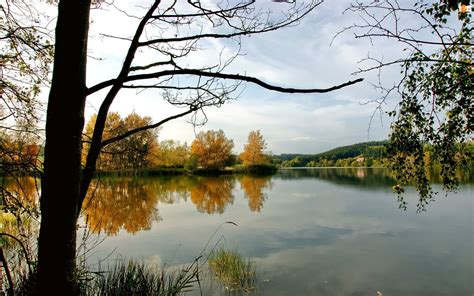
{"x":309,"y":231}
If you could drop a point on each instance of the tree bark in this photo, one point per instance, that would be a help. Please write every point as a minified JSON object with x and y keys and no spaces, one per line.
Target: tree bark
{"x":62,"y":162}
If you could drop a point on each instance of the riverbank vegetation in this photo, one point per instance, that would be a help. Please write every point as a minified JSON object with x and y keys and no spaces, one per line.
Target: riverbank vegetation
{"x":225,"y":269}
{"x":368,"y":154}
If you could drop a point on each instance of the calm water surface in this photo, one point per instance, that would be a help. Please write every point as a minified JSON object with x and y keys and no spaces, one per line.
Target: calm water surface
{"x":310,"y":232}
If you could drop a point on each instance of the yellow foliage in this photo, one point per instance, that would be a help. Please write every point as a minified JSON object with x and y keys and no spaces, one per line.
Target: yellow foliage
{"x":113,"y":205}
{"x":169,"y":154}
{"x":212,"y":148}
{"x":253,"y":191}
{"x":253,"y":150}
{"x":129,"y":153}
{"x":213,"y":195}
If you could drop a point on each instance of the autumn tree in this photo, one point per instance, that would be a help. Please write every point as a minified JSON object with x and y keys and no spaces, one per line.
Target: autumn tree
{"x":435,"y":92}
{"x":175,"y":32}
{"x":169,"y":153}
{"x":212,"y":149}
{"x":19,"y":155}
{"x":132,"y":152}
{"x":25,"y":57}
{"x":254,"y":149}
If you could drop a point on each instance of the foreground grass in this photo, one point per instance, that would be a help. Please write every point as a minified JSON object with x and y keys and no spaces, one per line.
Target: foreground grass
{"x":131,"y":278}
{"x":233,"y":271}
{"x":127,"y":278}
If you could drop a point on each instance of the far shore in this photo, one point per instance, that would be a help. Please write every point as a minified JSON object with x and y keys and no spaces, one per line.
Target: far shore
{"x":213,"y":172}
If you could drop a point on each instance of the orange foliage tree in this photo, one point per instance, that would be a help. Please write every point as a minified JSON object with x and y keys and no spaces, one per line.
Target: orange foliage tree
{"x":19,"y":154}
{"x":212,"y":149}
{"x":253,"y":150}
{"x":129,"y":153}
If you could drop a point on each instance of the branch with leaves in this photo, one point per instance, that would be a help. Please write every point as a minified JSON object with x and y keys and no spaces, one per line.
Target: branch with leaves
{"x":435,"y":114}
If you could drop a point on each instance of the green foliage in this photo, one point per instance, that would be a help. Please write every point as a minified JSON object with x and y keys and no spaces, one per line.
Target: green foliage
{"x":260,"y":169}
{"x":436,"y":107}
{"x":295,"y":162}
{"x":191,"y":163}
{"x":376,"y":151}
{"x":350,"y":150}
{"x":170,"y":154}
{"x":232,"y":161}
{"x":340,"y":156}
{"x":435,"y":89}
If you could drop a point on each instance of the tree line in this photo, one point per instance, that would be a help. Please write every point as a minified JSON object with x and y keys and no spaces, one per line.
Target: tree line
{"x":210,"y":150}
{"x":370,"y":154}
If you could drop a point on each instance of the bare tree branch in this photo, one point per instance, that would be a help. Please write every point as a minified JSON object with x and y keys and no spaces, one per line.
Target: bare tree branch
{"x":222,"y":76}
{"x":147,"y":127}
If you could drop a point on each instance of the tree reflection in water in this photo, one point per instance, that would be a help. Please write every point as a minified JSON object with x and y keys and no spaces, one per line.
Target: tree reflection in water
{"x":212,"y":195}
{"x":19,"y":221}
{"x":124,"y":203}
{"x":253,"y":190}
{"x":131,"y":204}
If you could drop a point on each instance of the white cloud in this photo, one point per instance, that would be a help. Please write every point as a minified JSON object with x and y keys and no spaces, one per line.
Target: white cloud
{"x":299,"y":57}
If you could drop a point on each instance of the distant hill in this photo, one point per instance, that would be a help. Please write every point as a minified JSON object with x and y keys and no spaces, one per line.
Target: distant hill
{"x":351,"y":150}
{"x":373,"y":149}
{"x":290,"y":156}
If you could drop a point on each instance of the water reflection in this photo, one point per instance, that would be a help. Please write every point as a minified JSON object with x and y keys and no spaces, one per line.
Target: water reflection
{"x":20,"y":191}
{"x":212,"y":195}
{"x":125,"y":203}
{"x":19,"y":220}
{"x":132,"y":204}
{"x":370,"y":178}
{"x":323,"y":232}
{"x":253,"y":190}
{"x":344,"y":176}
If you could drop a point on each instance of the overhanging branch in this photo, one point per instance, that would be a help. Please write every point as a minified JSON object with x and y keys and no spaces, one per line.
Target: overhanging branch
{"x":238,"y":77}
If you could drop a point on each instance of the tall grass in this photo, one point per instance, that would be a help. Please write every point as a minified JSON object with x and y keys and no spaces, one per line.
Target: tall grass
{"x":233,"y":271}
{"x":126,"y":278}
{"x":129,"y":277}
{"x":132,"y":278}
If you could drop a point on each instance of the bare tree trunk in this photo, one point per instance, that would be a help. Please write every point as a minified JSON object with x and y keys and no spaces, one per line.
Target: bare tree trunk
{"x":62,"y":163}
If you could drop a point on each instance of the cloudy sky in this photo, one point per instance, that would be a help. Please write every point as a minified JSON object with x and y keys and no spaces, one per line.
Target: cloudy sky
{"x":300,"y":56}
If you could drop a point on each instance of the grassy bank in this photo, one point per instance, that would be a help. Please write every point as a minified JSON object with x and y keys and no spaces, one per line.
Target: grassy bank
{"x":226,"y":268}
{"x":142,"y":172}
{"x":149,"y":172}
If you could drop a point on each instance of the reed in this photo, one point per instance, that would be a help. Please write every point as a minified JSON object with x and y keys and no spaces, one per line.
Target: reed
{"x":133,"y":278}
{"x":232,"y":270}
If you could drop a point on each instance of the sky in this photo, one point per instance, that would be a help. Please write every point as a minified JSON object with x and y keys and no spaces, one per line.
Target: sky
{"x":301,"y":56}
